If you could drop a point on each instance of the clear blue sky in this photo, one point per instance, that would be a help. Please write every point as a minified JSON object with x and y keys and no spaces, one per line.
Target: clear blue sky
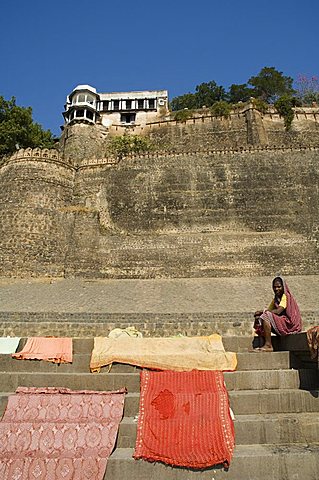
{"x":48,"y":47}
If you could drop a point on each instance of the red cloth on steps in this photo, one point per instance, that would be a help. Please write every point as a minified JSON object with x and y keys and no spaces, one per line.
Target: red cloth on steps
{"x":184,"y":419}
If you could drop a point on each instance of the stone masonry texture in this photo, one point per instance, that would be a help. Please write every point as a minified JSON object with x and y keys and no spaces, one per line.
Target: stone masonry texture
{"x":216,"y":197}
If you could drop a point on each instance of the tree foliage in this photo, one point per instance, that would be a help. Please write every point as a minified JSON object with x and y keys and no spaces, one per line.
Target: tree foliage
{"x":18,"y":130}
{"x":239,"y":93}
{"x":307,"y":89}
{"x":205,"y":94}
{"x":209,"y":93}
{"x":188,"y":100}
{"x":284,"y":106}
{"x":221,"y":109}
{"x":270,"y":84}
{"x":128,"y":144}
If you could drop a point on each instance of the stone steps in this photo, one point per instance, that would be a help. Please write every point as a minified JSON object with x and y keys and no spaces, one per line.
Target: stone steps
{"x":276,"y":423}
{"x":250,"y":462}
{"x":81,"y":364}
{"x":263,"y":429}
{"x":246,"y":380}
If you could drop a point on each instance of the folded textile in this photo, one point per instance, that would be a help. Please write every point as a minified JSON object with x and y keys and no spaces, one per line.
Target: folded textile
{"x":184,"y":419}
{"x":52,"y":433}
{"x":125,"y":332}
{"x":174,"y":353}
{"x":8,"y":344}
{"x":51,"y":349}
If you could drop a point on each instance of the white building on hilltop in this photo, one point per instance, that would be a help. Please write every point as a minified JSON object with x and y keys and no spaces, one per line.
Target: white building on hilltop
{"x":84,"y":104}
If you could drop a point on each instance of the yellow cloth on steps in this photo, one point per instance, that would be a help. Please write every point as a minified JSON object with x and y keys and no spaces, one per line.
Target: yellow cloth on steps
{"x":172,"y":353}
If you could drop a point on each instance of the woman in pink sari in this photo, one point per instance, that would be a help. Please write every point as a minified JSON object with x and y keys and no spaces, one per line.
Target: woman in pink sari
{"x":282,"y":317}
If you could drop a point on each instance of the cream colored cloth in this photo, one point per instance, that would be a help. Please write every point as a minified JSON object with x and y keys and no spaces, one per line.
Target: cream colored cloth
{"x":124,"y":332}
{"x":173,"y":353}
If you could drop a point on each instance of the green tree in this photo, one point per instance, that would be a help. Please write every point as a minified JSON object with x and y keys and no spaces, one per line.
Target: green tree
{"x":128,"y":144}
{"x":239,"y":93}
{"x":17,"y":129}
{"x":284,"y":106}
{"x":209,"y":93}
{"x":270,"y":84}
{"x":221,"y":109}
{"x":188,"y":100}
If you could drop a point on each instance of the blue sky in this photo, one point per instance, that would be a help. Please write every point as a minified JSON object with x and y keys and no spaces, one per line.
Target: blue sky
{"x":48,"y":47}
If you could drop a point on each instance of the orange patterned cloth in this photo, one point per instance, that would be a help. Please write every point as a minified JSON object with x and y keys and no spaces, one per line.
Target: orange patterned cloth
{"x":184,"y":419}
{"x":51,"y":349}
{"x":57,"y":433}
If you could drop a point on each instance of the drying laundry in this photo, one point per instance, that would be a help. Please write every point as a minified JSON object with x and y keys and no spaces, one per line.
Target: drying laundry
{"x":8,"y":345}
{"x":52,"y":433}
{"x":184,"y":419}
{"x":51,"y":349}
{"x":173,"y":353}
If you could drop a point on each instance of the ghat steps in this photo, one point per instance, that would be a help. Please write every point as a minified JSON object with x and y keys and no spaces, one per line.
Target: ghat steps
{"x":276,"y":422}
{"x":274,"y":396}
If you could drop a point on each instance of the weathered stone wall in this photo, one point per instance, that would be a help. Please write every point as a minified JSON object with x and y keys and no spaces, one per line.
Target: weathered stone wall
{"x":215,"y":197}
{"x":35,"y":226}
{"x":247,"y":213}
{"x":83,"y":141}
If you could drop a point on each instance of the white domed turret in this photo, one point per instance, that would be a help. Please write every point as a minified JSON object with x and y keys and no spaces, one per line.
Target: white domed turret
{"x":82,"y":105}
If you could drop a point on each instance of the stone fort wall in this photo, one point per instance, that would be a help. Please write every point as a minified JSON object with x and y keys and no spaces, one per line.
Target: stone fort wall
{"x":235,"y":196}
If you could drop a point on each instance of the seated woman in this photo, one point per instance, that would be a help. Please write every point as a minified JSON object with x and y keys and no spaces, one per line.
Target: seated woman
{"x":282,"y":317}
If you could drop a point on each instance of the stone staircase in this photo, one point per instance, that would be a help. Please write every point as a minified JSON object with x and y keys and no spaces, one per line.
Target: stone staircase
{"x":276,"y":422}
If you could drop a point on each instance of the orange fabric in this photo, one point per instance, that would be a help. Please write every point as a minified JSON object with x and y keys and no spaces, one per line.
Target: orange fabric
{"x":51,"y":349}
{"x":184,"y":419}
{"x":58,"y":434}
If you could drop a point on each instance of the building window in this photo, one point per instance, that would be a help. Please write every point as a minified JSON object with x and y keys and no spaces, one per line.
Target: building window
{"x":116,"y":105}
{"x":90,"y":99}
{"x":151,"y":103}
{"x":89,"y":115}
{"x":81,"y":98}
{"x":128,"y":104}
{"x":128,"y":118}
{"x":80,"y":113}
{"x":106,"y":105}
{"x":140,"y":104}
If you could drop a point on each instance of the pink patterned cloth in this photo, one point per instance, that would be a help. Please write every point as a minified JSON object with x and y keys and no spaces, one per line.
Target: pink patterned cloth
{"x":58,"y":434}
{"x":51,"y":349}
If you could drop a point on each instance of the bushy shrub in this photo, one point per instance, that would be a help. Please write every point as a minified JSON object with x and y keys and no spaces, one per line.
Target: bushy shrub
{"x":221,"y":109}
{"x":183,"y":115}
{"x":284,"y":106}
{"x":128,"y":144}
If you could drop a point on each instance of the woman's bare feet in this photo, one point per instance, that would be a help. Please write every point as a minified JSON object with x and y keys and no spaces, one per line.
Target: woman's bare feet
{"x":266,"y":348}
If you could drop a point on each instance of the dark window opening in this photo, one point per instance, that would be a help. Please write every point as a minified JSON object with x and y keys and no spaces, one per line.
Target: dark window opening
{"x":116,"y":104}
{"x":151,"y":103}
{"x":140,"y":104}
{"x":80,"y":113}
{"x":106,"y":105}
{"x":89,"y":115}
{"x":128,"y":104}
{"x":128,"y":117}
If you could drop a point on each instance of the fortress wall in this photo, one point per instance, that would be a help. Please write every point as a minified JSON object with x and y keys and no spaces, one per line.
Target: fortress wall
{"x":198,"y":134}
{"x":34,"y":222}
{"x":304,"y":130}
{"x":198,"y":215}
{"x":82,"y":141}
{"x":260,"y":190}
